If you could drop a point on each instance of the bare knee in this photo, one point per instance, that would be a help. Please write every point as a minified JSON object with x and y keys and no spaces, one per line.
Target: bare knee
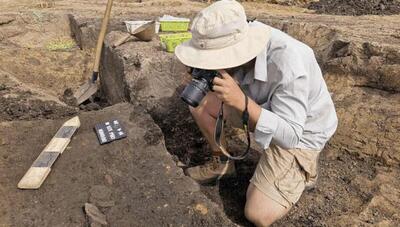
{"x":250,"y":214}
{"x":258,"y":217}
{"x":262,"y":210}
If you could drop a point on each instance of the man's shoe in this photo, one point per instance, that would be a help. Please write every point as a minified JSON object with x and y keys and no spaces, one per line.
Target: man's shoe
{"x":218,"y":167}
{"x":311,"y":182}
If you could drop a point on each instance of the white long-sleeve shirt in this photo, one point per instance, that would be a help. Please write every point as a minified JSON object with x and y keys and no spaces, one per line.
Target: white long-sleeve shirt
{"x":297,"y":109}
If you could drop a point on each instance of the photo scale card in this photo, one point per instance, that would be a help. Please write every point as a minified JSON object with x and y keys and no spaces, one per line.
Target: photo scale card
{"x":109,"y":131}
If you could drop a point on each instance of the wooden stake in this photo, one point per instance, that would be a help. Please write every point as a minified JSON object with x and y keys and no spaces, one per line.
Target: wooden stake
{"x":41,"y":167}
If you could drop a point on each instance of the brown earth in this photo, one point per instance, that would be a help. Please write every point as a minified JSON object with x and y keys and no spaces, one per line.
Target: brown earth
{"x":130,"y":180}
{"x":357,"y":7}
{"x":135,"y":181}
{"x":291,"y":2}
{"x":19,"y":101}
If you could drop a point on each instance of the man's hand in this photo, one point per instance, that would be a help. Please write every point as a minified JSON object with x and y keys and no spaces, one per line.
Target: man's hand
{"x":228,"y":91}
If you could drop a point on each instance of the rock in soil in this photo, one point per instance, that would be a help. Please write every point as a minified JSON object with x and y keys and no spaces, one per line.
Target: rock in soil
{"x":108,"y":179}
{"x":96,"y":218}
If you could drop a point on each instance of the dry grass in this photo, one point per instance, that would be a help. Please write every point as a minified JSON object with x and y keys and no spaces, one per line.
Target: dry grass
{"x":61,"y":44}
{"x":45,"y":3}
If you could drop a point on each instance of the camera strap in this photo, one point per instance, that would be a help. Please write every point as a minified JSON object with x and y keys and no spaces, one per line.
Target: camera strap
{"x":219,"y":128}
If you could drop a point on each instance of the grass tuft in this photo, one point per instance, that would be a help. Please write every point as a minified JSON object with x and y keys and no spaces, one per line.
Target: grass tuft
{"x":61,"y":44}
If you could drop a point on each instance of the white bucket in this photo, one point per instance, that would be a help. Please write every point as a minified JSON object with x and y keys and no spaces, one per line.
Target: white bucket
{"x":132,"y":26}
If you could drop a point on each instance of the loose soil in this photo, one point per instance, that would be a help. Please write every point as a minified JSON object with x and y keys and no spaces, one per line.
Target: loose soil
{"x":22,"y":108}
{"x":354,"y":187}
{"x":356,"y":7}
{"x":22,"y":105}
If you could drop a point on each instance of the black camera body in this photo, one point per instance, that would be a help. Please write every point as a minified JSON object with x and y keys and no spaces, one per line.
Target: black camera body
{"x":201,"y":83}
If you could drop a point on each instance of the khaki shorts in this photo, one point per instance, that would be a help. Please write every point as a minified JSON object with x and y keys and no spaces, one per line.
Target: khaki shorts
{"x":281,"y":174}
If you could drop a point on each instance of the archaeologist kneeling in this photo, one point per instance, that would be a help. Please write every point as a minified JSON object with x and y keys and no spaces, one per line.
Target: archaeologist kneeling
{"x":273,"y":80}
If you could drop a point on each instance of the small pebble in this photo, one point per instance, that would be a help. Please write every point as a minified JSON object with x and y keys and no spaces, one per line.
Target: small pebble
{"x":108,"y":179}
{"x":95,"y":215}
{"x":202,"y":209}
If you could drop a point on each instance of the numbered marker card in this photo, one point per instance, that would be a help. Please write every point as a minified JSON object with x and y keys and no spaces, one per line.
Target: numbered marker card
{"x":109,"y":131}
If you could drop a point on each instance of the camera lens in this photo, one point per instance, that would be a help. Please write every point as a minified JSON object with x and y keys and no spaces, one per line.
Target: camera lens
{"x":194,"y":92}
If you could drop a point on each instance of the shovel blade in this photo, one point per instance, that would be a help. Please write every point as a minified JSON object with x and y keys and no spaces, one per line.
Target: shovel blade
{"x":85,"y":91}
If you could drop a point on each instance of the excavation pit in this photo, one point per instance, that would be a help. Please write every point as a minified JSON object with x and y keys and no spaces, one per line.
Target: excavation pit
{"x":140,"y":72}
{"x":139,"y":180}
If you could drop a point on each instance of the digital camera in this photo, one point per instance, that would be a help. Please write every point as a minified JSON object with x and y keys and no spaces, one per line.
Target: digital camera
{"x":201,"y":83}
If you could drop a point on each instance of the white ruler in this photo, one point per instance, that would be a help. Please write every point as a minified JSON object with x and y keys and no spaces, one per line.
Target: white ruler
{"x":41,"y":167}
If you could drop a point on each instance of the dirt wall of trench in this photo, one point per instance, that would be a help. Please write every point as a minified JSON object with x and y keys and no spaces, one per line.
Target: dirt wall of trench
{"x":370,"y":64}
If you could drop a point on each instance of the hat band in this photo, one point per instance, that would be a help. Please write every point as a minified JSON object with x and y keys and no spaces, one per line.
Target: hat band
{"x":217,"y":39}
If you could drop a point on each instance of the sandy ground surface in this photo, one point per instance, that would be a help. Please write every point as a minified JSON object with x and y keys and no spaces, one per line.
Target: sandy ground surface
{"x":359,"y":176}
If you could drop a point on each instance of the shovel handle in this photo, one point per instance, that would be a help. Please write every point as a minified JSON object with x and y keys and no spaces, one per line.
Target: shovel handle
{"x":121,"y":40}
{"x":102,"y":35}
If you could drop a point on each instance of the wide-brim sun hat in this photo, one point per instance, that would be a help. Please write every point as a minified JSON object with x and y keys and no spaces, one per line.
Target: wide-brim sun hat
{"x":222,"y":38}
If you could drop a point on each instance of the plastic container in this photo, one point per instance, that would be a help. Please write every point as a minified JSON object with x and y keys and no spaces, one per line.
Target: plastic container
{"x":170,"y":41}
{"x":133,"y":26}
{"x":170,"y":23}
{"x":174,"y":26}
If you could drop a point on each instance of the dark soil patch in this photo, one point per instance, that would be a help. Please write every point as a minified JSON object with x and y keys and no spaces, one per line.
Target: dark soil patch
{"x":21,"y":106}
{"x":184,"y":140}
{"x":182,"y":136}
{"x":356,"y":7}
{"x":328,"y":199}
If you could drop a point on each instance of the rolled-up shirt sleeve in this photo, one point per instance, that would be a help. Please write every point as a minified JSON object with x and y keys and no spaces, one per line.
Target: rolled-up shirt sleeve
{"x":283,"y":122}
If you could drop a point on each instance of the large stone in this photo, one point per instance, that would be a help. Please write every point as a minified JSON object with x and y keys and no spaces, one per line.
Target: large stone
{"x":140,"y":71}
{"x":86,"y":31}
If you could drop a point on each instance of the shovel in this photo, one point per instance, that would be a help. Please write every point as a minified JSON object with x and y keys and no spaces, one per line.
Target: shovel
{"x":88,"y":89}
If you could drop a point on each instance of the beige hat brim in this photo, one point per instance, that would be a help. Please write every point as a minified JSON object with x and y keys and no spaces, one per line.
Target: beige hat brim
{"x":227,"y":57}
